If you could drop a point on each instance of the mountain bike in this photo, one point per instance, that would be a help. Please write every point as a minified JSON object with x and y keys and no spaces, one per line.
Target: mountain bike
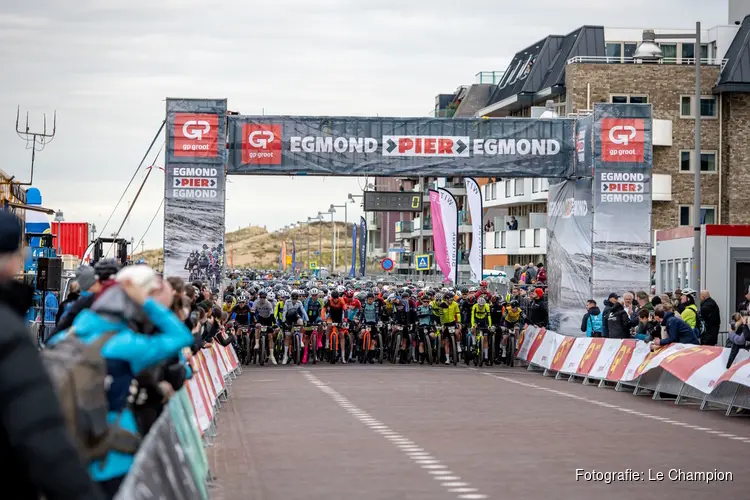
{"x":261,"y":354}
{"x":296,"y":344}
{"x":482,"y":338}
{"x":333,"y":343}
{"x":450,"y":335}
{"x":425,"y":344}
{"x":311,"y":348}
{"x":401,"y":343}
{"x":510,"y":344}
{"x":371,"y":345}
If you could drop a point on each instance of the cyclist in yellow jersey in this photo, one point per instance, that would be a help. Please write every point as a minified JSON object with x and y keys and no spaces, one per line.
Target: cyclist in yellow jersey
{"x":450,"y":316}
{"x":512,"y":317}
{"x":229,"y":303}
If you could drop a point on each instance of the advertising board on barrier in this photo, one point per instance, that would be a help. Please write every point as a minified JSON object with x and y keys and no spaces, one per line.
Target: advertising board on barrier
{"x":625,"y":360}
{"x":511,"y":147}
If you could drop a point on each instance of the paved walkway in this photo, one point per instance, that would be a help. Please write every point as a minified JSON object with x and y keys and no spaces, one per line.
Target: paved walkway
{"x":419,"y":433}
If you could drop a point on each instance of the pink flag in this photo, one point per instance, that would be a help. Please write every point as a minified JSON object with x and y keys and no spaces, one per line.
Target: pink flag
{"x":438,"y":235}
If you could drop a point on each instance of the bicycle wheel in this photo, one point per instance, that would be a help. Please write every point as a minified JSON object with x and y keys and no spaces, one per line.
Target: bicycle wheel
{"x":380,"y":349}
{"x":297,"y":350}
{"x":490,"y":349}
{"x":396,"y":349}
{"x":512,"y":351}
{"x":313,"y":349}
{"x":454,"y":353}
{"x":263,"y":351}
{"x":409,"y":344}
{"x":478,"y":358}
{"x":365,"y":352}
{"x":428,"y":349}
{"x":468,"y":349}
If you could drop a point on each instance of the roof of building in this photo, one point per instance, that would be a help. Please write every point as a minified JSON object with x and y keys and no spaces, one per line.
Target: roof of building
{"x":542,"y":64}
{"x":736,"y":74}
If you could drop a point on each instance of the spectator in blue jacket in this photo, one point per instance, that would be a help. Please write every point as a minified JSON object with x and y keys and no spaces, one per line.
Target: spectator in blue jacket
{"x":592,"y":320}
{"x":141,"y":294}
{"x":677,"y":330}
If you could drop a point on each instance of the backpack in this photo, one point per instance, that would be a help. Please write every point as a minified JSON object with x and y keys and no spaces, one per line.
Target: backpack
{"x":79,"y":375}
{"x":596,"y":323}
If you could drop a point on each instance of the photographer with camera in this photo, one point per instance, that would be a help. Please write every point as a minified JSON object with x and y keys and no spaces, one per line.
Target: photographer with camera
{"x":739,"y":335}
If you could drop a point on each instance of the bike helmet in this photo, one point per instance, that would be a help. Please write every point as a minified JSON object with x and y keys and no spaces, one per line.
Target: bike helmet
{"x":513,"y":303}
{"x":228,"y":298}
{"x":464,"y":290}
{"x":483,"y":284}
{"x":481,"y":302}
{"x":271,"y":296}
{"x":334,"y":294}
{"x":405,"y":294}
{"x":341,"y":289}
{"x":370,"y":295}
{"x":106,"y":268}
{"x":314,"y":291}
{"x":295,"y":294}
{"x":243,"y":298}
{"x":262,"y":294}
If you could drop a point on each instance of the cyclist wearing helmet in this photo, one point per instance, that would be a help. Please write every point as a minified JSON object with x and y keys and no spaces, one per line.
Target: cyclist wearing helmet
{"x":281,"y":297}
{"x":481,"y":318}
{"x":229,"y":303}
{"x":263,"y":309}
{"x":450,"y":316}
{"x":483,"y":292}
{"x":335,"y":307}
{"x":314,"y":306}
{"x":465,"y":305}
{"x":242,"y":312}
{"x":293,"y":314}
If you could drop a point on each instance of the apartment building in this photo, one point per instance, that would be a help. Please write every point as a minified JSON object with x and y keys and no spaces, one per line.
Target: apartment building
{"x":595,"y":64}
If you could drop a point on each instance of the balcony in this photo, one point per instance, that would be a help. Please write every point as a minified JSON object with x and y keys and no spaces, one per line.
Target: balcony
{"x":514,"y":192}
{"x":662,"y":132}
{"x":661,"y":187}
{"x":521,"y":242}
{"x":684,"y":61}
{"x":372,"y":221}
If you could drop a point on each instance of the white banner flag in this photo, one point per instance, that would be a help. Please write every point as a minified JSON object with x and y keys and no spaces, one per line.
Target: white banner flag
{"x":449,"y":210}
{"x":476,"y":257}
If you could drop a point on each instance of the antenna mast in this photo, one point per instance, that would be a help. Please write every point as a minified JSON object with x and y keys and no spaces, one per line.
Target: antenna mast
{"x":36,"y":141}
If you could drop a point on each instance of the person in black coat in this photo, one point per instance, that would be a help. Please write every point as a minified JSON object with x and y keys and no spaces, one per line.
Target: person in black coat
{"x":73,"y":295}
{"x":618,"y":321}
{"x":38,"y":456}
{"x":711,"y":319}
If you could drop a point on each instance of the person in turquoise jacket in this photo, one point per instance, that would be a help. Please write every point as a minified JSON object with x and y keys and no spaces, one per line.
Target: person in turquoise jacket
{"x":141,"y":295}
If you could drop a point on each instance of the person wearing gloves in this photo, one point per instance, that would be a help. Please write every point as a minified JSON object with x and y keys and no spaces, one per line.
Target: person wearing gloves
{"x":140,"y":294}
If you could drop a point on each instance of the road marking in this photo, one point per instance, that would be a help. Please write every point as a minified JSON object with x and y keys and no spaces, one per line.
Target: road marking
{"x":418,"y":455}
{"x":627,"y":411}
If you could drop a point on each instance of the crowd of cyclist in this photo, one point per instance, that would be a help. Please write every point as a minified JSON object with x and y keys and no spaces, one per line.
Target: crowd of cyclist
{"x":283,"y":321}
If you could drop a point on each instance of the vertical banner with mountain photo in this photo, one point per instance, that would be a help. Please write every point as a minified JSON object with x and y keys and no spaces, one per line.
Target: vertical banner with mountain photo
{"x":362,"y":246}
{"x":623,"y":159}
{"x":449,"y":212}
{"x":569,"y":221}
{"x":476,"y":253}
{"x":195,"y":189}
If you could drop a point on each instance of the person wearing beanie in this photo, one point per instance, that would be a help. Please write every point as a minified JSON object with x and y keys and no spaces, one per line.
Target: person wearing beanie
{"x":39,"y":457}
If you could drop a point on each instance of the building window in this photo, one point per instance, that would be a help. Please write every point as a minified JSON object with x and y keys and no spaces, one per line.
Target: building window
{"x":507,"y":189}
{"x":523,"y":238}
{"x":688,"y":50}
{"x":519,"y":187}
{"x":663,"y":269}
{"x":628,"y":99}
{"x":708,"y":106}
{"x":501,"y":234}
{"x":629,"y":49}
{"x":486,"y":192}
{"x":537,"y":237}
{"x":614,"y":50}
{"x":708,"y":215}
{"x":708,"y":161}
{"x":669,"y":51}
{"x":494,"y":190}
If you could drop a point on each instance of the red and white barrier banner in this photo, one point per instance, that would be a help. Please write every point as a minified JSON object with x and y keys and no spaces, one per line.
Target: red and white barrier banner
{"x":624,"y":360}
{"x":211,"y":365}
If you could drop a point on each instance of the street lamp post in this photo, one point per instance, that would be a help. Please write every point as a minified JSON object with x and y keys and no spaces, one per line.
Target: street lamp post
{"x":647,"y":52}
{"x":332,"y":209}
{"x":320,"y":238}
{"x":59,"y":219}
{"x":308,"y":238}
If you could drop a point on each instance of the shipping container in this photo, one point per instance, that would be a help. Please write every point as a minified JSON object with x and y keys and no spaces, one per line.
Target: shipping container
{"x":74,"y":238}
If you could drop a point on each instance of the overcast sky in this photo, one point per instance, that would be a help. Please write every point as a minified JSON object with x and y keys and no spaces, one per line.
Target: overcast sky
{"x":107,"y":66}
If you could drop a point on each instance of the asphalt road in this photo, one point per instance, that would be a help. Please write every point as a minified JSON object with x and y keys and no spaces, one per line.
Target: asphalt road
{"x":419,"y":433}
